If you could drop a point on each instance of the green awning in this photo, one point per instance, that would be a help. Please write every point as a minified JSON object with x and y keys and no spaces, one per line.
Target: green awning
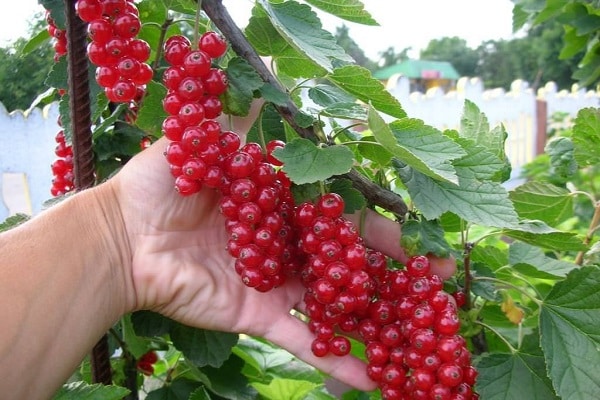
{"x":419,"y":69}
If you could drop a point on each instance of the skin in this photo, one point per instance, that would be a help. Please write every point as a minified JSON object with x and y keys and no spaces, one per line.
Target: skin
{"x":132,"y":243}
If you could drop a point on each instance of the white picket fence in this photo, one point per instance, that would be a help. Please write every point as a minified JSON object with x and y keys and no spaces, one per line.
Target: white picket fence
{"x":27,"y":138}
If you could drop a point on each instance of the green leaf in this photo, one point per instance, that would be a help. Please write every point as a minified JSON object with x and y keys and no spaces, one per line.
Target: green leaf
{"x":13,"y":221}
{"x":542,"y":201}
{"x":152,"y":114}
{"x":422,"y":237}
{"x":302,"y":29}
{"x":570,"y":334}
{"x":203,"y":347}
{"x":354,"y":200}
{"x":149,"y":323}
{"x":243,"y":81}
{"x":304,"y":162}
{"x":491,"y":256}
{"x":35,"y":42}
{"x":359,"y":82}
{"x":422,"y":147}
{"x":199,"y":394}
{"x":372,"y":150}
{"x":297,"y":370}
{"x":289,"y":389}
{"x":479,"y":161}
{"x":516,"y":376}
{"x":350,"y":10}
{"x":537,"y":233}
{"x":136,"y":345}
{"x":523,"y":256}
{"x":353,"y":111}
{"x":562,"y":160}
{"x":266,"y":40}
{"x":262,"y":355}
{"x":270,"y":121}
{"x":474,"y":125}
{"x":84,"y":391}
{"x":482,"y":203}
{"x":228,"y":382}
{"x":328,"y":95}
{"x":57,"y":11}
{"x":178,"y":389}
{"x":586,"y":137}
{"x":273,"y":95}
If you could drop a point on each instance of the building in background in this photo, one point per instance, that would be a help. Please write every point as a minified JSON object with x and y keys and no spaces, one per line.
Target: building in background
{"x":423,"y":74}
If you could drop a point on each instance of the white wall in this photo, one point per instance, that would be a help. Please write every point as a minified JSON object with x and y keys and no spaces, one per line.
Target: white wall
{"x":26,"y":153}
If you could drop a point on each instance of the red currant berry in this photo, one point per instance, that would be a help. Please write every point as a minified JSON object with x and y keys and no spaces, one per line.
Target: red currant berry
{"x":213,"y":44}
{"x":339,"y":346}
{"x":331,"y":205}
{"x":320,"y":348}
{"x":450,"y":374}
{"x":271,"y":146}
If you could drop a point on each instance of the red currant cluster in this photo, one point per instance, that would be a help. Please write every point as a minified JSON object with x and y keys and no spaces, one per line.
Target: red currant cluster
{"x":403,"y":316}
{"x":414,"y":350}
{"x":62,"y":167}
{"x":197,"y":142}
{"x":59,"y":37}
{"x":145,"y":364}
{"x":258,"y":205}
{"x":257,"y":202}
{"x":120,"y":57}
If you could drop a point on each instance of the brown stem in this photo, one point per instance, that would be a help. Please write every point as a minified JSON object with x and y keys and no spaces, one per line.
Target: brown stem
{"x":217,"y":13}
{"x":467,"y":267}
{"x":83,"y":154}
{"x":590,"y":233}
{"x":129,"y":369}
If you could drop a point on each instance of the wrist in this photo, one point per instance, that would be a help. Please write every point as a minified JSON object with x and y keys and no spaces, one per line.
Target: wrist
{"x":114,"y":242}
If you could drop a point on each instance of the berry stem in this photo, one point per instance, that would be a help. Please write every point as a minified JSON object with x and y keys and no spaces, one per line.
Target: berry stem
{"x":505,"y":340}
{"x":197,"y":26}
{"x":590,"y":233}
{"x":505,"y":284}
{"x":161,"y":40}
{"x":467,"y":267}
{"x":261,"y":132}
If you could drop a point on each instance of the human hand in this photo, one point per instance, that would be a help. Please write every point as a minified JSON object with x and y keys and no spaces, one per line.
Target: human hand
{"x":181,"y":269}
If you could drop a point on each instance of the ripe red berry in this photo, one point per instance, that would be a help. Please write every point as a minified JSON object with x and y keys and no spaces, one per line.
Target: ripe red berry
{"x":340,"y":346}
{"x":271,"y":146}
{"x":213,"y":44}
{"x":331,"y":205}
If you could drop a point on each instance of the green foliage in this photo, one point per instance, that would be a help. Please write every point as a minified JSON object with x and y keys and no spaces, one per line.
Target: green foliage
{"x":580,"y":20}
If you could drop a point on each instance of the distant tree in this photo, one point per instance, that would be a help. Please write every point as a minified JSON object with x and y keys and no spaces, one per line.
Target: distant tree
{"x":22,"y":76}
{"x":391,"y":57}
{"x":455,"y":51}
{"x":533,"y":58}
{"x":547,"y":43}
{"x":342,"y":35}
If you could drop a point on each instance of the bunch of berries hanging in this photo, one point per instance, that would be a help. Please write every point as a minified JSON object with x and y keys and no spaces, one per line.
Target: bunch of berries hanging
{"x":403,"y":315}
{"x":257,"y":202}
{"x":59,"y":37}
{"x":120,"y":57}
{"x":62,"y":167}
